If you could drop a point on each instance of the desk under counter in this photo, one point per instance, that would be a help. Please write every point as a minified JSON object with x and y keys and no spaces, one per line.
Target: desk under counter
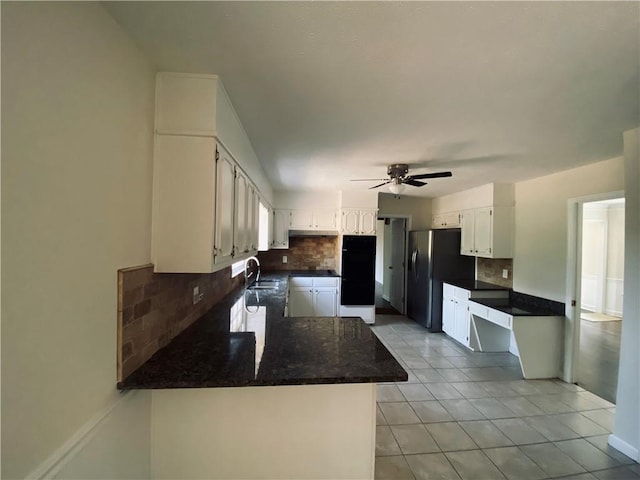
{"x":529,"y":327}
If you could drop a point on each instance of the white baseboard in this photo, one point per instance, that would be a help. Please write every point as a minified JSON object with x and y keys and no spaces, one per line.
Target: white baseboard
{"x":63,"y":454}
{"x":623,"y":447}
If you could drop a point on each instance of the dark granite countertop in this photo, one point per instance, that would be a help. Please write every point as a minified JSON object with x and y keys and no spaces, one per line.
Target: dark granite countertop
{"x":246,"y":341}
{"x":475,"y":285}
{"x":520,"y":305}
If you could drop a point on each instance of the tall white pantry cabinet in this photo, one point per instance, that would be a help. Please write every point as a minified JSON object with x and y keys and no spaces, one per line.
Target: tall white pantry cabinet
{"x":205,"y":208}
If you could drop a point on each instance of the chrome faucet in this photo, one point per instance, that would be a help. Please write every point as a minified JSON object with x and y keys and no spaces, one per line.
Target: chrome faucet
{"x":249,"y":274}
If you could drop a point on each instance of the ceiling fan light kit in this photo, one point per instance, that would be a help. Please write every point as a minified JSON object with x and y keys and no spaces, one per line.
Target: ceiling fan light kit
{"x":396,"y":187}
{"x":398,"y":178}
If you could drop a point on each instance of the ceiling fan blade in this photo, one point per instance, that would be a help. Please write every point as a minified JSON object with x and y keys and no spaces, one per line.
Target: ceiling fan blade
{"x":415,"y":183}
{"x":430,"y":175}
{"x":384,"y":183}
{"x":367,"y":179}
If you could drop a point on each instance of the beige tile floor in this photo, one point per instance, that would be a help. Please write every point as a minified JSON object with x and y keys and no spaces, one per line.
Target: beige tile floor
{"x":466,"y":415}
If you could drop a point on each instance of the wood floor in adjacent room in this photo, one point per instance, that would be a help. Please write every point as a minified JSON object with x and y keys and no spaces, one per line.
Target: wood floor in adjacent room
{"x":600,"y":357}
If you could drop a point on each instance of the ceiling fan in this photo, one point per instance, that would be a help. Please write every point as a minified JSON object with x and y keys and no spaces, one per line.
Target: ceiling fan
{"x":398,"y":178}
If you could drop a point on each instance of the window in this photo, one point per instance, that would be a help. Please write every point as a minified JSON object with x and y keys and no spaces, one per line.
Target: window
{"x":237,"y":268}
{"x":263,"y":228}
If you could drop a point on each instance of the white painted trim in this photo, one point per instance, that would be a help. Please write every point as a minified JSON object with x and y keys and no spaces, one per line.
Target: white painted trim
{"x":69,"y":449}
{"x":613,"y":307}
{"x":624,"y":447}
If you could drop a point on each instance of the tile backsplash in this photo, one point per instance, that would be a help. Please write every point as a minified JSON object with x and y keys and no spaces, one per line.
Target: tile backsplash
{"x":490,"y":270}
{"x":155,"y":307}
{"x":304,"y":253}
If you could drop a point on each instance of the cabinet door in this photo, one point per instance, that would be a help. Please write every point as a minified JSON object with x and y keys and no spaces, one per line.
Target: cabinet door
{"x":225,"y":170}
{"x":483,"y":231}
{"x":281,"y":222}
{"x":241,"y":233}
{"x":451,"y":220}
{"x":368,"y":222}
{"x":437,"y":221}
{"x":350,"y":221}
{"x":253,"y":220}
{"x":301,"y":219}
{"x":448,"y":309}
{"x":301,"y":302}
{"x":448,"y":312}
{"x":467,"y":245}
{"x":325,"y":302}
{"x":324,"y":219}
{"x":461,"y":322}
{"x":183,"y":181}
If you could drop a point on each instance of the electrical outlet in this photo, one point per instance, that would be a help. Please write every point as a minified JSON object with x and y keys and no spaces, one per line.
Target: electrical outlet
{"x":505,"y":273}
{"x":284,"y":259}
{"x":197,"y":296}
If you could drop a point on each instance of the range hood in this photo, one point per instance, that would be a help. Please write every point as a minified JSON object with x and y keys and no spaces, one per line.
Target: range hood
{"x":313,"y":233}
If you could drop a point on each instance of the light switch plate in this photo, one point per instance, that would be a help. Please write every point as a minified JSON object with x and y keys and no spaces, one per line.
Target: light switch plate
{"x":505,"y":273}
{"x":284,"y":259}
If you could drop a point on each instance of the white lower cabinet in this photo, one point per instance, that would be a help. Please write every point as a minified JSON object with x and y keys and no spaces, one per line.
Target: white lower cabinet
{"x":456,"y":319}
{"x":301,"y":302}
{"x":313,"y":297}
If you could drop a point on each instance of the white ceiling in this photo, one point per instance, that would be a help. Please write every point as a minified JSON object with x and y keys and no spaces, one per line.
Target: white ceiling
{"x":332,"y":91}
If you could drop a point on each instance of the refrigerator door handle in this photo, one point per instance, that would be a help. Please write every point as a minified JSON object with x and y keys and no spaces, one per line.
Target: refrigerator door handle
{"x":414,"y":263}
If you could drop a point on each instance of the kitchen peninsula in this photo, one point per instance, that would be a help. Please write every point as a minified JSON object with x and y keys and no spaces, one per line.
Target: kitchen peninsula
{"x":307,"y":406}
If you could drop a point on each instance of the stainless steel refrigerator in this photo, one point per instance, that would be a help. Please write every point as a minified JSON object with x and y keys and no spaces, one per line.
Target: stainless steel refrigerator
{"x":434,"y":257}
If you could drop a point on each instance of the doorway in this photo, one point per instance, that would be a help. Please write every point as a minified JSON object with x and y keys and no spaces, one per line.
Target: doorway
{"x":390,"y":265}
{"x":600,"y":282}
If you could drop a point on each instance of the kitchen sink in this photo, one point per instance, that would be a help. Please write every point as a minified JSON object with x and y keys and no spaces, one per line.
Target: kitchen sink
{"x":264,"y":285}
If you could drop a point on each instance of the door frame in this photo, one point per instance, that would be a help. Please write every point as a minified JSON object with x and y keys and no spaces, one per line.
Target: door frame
{"x":407,"y":226}
{"x":573,"y":288}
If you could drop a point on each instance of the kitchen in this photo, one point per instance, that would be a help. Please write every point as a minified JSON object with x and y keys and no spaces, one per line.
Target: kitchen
{"x":58,"y":393}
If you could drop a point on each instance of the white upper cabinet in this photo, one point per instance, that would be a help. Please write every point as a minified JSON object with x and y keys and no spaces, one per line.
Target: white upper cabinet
{"x":324,"y":219}
{"x":313,"y":219}
{"x":487,"y":232}
{"x":446,"y":220}
{"x":281,"y":224}
{"x":485,"y":215}
{"x":253,"y":224}
{"x":225,"y":203}
{"x":357,"y":221}
{"x":301,"y":220}
{"x":241,"y":231}
{"x":183,"y":205}
{"x":205,"y":207}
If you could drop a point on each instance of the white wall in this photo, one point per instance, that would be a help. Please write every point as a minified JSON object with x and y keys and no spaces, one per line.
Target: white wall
{"x":77,"y":124}
{"x":307,"y":200}
{"x":118,"y":447}
{"x":417,"y":208}
{"x":295,"y":431}
{"x":540,"y":260}
{"x":626,"y":433}
{"x":236,"y":140}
